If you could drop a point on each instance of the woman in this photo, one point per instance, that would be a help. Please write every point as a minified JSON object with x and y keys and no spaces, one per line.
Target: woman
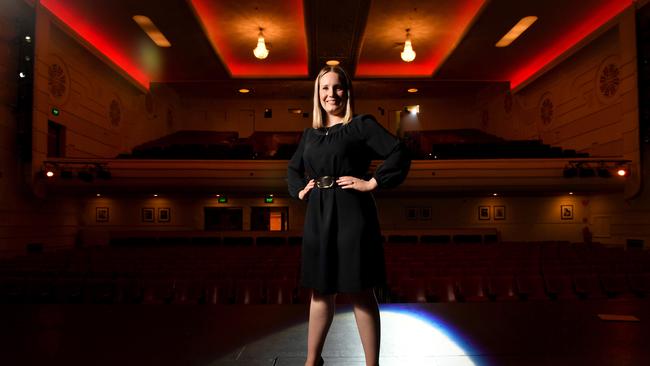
{"x":342,"y":248}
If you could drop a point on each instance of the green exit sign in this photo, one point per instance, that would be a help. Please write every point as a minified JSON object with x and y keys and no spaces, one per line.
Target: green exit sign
{"x":55,"y":111}
{"x":268,"y":199}
{"x":222,"y":199}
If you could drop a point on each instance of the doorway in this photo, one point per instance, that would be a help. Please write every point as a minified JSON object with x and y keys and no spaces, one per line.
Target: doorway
{"x":270,"y":218}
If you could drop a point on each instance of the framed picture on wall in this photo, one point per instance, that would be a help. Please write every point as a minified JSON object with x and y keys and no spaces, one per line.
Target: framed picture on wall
{"x":164,"y":214}
{"x":148,"y":214}
{"x":566,"y":212}
{"x":483,"y":212}
{"x":425,"y":213}
{"x":101,"y":214}
{"x":499,"y":212}
{"x":411,"y":213}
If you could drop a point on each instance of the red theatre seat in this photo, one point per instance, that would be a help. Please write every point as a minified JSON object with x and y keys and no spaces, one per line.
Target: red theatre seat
{"x":530,"y":287}
{"x":471,"y":288}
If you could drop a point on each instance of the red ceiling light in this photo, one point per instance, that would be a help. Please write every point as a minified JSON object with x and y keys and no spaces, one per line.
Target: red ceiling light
{"x":231,"y":29}
{"x":386,"y":20}
{"x":582,"y":28}
{"x":68,"y":13}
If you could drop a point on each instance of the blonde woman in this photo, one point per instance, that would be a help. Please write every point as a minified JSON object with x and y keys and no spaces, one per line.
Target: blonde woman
{"x":342,"y":249}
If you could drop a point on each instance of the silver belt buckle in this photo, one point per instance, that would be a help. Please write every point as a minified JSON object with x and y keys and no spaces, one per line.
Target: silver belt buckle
{"x":325,"y":182}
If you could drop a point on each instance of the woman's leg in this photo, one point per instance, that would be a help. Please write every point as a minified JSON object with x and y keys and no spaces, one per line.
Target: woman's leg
{"x":366,"y":312}
{"x":321,"y":313}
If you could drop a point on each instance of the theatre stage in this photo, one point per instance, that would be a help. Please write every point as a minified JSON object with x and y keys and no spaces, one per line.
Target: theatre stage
{"x":533,"y":333}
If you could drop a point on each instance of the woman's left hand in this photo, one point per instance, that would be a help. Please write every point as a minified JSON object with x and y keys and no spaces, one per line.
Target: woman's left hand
{"x":348,"y":182}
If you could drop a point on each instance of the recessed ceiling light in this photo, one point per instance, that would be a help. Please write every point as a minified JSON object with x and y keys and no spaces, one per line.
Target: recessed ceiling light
{"x":152,"y":31}
{"x":99,"y":195}
{"x":516,"y":31}
{"x":495,"y":194}
{"x":332,"y":62}
{"x":412,"y":90}
{"x":571,"y":193}
{"x":244,"y":90}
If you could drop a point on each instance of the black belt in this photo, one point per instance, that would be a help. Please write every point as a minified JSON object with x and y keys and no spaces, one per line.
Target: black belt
{"x":325,"y":181}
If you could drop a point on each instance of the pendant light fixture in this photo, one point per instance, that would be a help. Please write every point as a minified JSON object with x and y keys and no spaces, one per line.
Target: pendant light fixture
{"x":408,"y":54}
{"x":261,"y":51}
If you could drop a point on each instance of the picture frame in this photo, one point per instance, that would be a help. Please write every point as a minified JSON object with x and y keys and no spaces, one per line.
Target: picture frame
{"x":148,"y":214}
{"x":411,"y":213}
{"x":499,"y":212}
{"x":101,"y":214}
{"x":164,"y":214}
{"x":483,"y":212}
{"x":566,"y":212}
{"x":425,"y":213}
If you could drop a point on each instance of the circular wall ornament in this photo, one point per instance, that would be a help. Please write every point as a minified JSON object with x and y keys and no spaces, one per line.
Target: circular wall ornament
{"x":115,"y":112}
{"x":58,"y":81}
{"x":608,"y":79}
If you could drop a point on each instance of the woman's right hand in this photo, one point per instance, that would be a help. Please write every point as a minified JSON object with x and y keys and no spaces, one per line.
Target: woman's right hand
{"x":306,"y":190}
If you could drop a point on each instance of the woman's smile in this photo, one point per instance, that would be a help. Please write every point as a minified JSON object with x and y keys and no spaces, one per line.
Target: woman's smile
{"x":332,"y":95}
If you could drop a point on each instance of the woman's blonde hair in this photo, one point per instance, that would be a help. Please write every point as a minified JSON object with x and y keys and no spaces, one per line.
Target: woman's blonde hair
{"x":346,"y":83}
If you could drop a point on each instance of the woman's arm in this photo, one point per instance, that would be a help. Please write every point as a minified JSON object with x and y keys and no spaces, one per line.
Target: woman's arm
{"x":296,"y":180}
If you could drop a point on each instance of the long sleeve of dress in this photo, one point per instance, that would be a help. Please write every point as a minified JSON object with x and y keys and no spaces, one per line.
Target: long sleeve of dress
{"x":296,"y":169}
{"x":397,"y":160}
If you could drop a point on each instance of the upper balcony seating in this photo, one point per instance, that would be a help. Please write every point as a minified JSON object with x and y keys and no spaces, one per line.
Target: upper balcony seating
{"x":424,"y":145}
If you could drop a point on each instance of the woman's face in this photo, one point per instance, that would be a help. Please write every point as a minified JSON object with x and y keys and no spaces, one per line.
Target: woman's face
{"x":332,"y":95}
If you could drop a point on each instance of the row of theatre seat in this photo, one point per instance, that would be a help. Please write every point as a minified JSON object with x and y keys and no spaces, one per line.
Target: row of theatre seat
{"x":269,"y":275}
{"x":423,"y":144}
{"x":126,"y":240}
{"x":245,"y":151}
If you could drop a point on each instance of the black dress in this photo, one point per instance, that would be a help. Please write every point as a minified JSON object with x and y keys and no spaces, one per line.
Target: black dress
{"x":342,"y":248}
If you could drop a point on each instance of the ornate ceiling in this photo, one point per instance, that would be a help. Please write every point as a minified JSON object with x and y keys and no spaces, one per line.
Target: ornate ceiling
{"x":212,"y":40}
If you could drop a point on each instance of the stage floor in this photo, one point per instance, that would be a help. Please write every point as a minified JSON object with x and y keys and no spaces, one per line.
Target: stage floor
{"x":534,"y":333}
